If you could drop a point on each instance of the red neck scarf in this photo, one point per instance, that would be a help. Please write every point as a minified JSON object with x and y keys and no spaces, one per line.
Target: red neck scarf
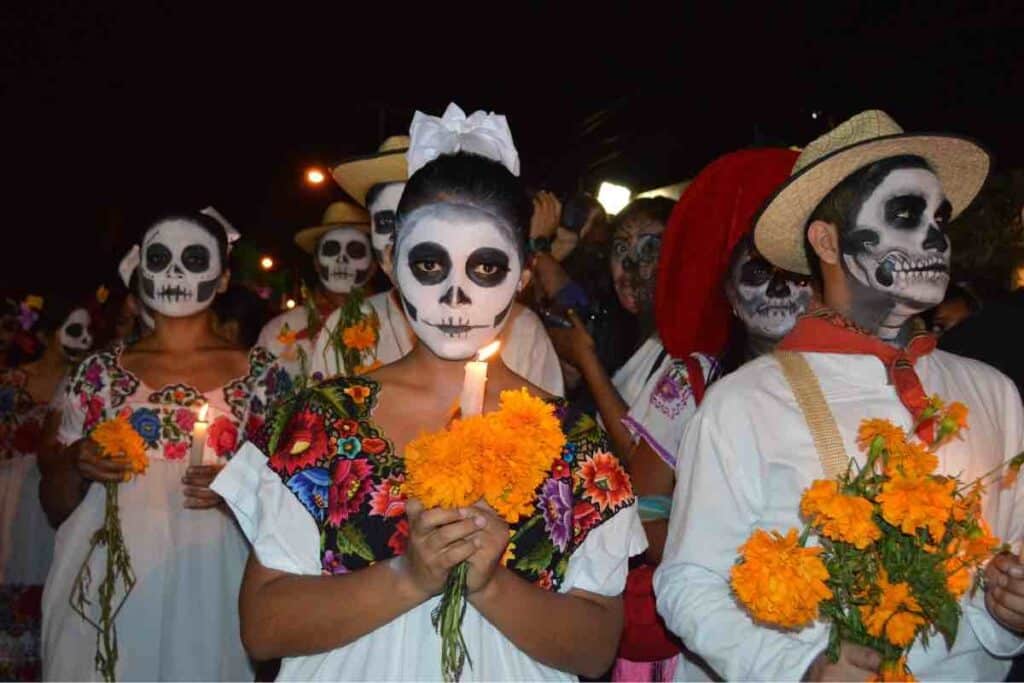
{"x":826,"y":331}
{"x":323,"y":308}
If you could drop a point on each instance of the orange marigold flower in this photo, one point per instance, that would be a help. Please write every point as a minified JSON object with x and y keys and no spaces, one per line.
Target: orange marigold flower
{"x":779,"y":582}
{"x":896,"y":672}
{"x":952,"y":422}
{"x":912,"y":459}
{"x":914,"y":502}
{"x":969,"y":506}
{"x":958,"y":577}
{"x":286,"y":336}
{"x":897,"y":614}
{"x":361,"y":336}
{"x":892,"y":436}
{"x":838,"y":516}
{"x":116,"y":437}
{"x":605,"y":483}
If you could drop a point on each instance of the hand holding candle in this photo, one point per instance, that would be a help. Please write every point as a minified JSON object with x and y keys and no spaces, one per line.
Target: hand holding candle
{"x":474,"y":385}
{"x":199,"y":437}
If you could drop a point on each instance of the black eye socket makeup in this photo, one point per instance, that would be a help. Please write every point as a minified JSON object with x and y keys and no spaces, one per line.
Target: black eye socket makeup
{"x":384,"y":222}
{"x":330,"y":248}
{"x":755,"y":272}
{"x":355,"y":249}
{"x":430,"y":263}
{"x":487,"y":267}
{"x":196,"y":258}
{"x":905,"y":211}
{"x":158,"y":257}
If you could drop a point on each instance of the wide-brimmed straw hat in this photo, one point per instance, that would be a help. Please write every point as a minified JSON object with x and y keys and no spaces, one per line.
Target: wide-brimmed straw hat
{"x":337,"y":215}
{"x":357,"y":175}
{"x":960,"y":163}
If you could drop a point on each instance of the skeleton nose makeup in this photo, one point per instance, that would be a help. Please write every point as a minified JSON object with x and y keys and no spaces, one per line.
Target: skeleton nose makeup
{"x":458,"y":272}
{"x":74,"y":335}
{"x":343,"y":259}
{"x":180,"y":268}
{"x":767,"y":301}
{"x":382,"y":215}
{"x":897,"y":243}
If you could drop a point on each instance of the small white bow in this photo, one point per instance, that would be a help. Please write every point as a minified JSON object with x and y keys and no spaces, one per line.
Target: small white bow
{"x":486,"y":134}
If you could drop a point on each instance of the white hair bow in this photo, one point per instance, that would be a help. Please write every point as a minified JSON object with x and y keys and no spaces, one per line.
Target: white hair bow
{"x":481,"y":133}
{"x":229,"y":230}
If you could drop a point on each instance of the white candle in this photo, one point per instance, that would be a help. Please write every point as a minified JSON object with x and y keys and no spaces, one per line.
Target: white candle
{"x":199,"y":437}
{"x":474,"y":385}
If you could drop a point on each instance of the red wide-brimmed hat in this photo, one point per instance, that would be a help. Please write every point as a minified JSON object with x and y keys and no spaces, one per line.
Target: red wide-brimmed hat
{"x":715,"y":211}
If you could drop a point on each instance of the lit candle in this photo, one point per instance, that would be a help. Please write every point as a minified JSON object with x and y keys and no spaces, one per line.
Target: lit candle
{"x":199,"y":437}
{"x":475,"y":383}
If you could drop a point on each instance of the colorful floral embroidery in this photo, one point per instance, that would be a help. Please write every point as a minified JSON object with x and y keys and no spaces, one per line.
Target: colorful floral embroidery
{"x":21,"y":418}
{"x":223,"y":436}
{"x":342,"y":469}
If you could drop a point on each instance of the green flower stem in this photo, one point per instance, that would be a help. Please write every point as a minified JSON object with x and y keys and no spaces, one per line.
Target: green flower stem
{"x":118,"y":569}
{"x":447,"y":619}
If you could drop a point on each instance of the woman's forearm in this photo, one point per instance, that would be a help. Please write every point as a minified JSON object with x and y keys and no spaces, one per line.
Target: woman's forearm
{"x":287,"y":615}
{"x":576,"y":632}
{"x":609,"y":404}
{"x":61,"y":487}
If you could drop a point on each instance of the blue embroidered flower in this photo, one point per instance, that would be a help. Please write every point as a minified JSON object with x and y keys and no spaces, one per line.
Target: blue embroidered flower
{"x":569,"y":452}
{"x":350,"y":447}
{"x":146,"y":422}
{"x":310,"y":487}
{"x":6,"y":400}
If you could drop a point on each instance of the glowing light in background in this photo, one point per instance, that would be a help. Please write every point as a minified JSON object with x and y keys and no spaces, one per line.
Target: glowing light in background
{"x":613,"y":197}
{"x":315,"y":176}
{"x":266,"y":263}
{"x":290,"y":304}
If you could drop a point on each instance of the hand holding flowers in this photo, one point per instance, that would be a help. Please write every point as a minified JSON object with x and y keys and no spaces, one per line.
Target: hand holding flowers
{"x":438,"y":541}
{"x":490,"y":541}
{"x":197,"y":480}
{"x":93,"y":465}
{"x":1004,"y":594}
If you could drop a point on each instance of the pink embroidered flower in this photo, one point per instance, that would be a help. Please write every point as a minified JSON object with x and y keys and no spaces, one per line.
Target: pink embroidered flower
{"x":585,"y":517}
{"x":92,"y":374}
{"x":400,"y":539}
{"x":223,"y":436}
{"x":304,"y":443}
{"x":545,"y":581}
{"x":374,"y":446}
{"x":184,"y":418}
{"x":346,"y":428}
{"x":175,"y":450}
{"x":351,"y":485}
{"x":387,"y":499}
{"x":93,"y":411}
{"x":560,"y":469}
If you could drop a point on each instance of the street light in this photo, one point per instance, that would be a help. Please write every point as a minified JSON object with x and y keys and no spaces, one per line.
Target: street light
{"x":266,"y":263}
{"x":290,"y":304}
{"x":613,"y":197}
{"x":315,"y":176}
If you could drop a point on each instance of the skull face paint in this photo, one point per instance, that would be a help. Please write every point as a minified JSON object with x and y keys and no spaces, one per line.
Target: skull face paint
{"x":897,"y":242}
{"x":180,"y":268}
{"x":343,"y":259}
{"x":636,"y":245}
{"x":767,"y":300}
{"x":74,"y":335}
{"x":383,"y":208}
{"x":457,"y":272}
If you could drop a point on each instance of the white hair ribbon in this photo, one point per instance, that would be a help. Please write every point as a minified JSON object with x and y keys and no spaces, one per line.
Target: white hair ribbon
{"x":129,"y":262}
{"x":486,"y":134}
{"x":229,"y":230}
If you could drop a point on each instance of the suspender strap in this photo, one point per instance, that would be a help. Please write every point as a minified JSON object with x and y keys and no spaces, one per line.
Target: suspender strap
{"x":822,"y":424}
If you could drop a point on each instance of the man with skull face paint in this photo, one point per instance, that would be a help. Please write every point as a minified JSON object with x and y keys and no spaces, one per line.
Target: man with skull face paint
{"x":458,"y":264}
{"x":866,"y":205}
{"x":344,"y":264}
{"x":26,"y":539}
{"x":377,"y":182}
{"x":180,"y":622}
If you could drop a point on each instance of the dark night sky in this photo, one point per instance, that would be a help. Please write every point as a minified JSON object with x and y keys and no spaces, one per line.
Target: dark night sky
{"x":110,"y":115}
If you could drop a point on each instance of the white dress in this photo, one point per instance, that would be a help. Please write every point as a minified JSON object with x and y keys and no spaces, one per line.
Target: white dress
{"x":181,"y":620}
{"x":526,"y":347}
{"x":750,"y":456}
{"x":285,"y":507}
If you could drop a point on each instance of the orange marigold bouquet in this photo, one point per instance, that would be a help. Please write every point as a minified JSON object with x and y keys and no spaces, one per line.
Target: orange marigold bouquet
{"x":518,"y":443}
{"x":114,"y":437}
{"x":899,"y":545}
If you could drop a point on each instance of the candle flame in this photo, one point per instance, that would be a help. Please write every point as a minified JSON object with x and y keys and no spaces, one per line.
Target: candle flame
{"x":488,"y":350}
{"x":202,"y":412}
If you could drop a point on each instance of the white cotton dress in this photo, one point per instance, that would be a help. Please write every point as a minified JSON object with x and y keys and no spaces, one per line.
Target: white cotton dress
{"x":181,"y":620}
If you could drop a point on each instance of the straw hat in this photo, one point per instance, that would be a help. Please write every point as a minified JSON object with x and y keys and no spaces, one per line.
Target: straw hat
{"x":357,"y":175}
{"x":337,"y":215}
{"x":961,"y":165}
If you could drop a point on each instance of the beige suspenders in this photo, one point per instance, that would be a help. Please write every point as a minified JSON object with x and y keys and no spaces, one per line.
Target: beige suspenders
{"x":822,"y":424}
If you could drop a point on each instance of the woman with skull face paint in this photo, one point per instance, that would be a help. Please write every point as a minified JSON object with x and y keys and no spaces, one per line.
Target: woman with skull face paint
{"x":26,"y":539}
{"x":180,"y":622}
{"x":336,"y":529}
